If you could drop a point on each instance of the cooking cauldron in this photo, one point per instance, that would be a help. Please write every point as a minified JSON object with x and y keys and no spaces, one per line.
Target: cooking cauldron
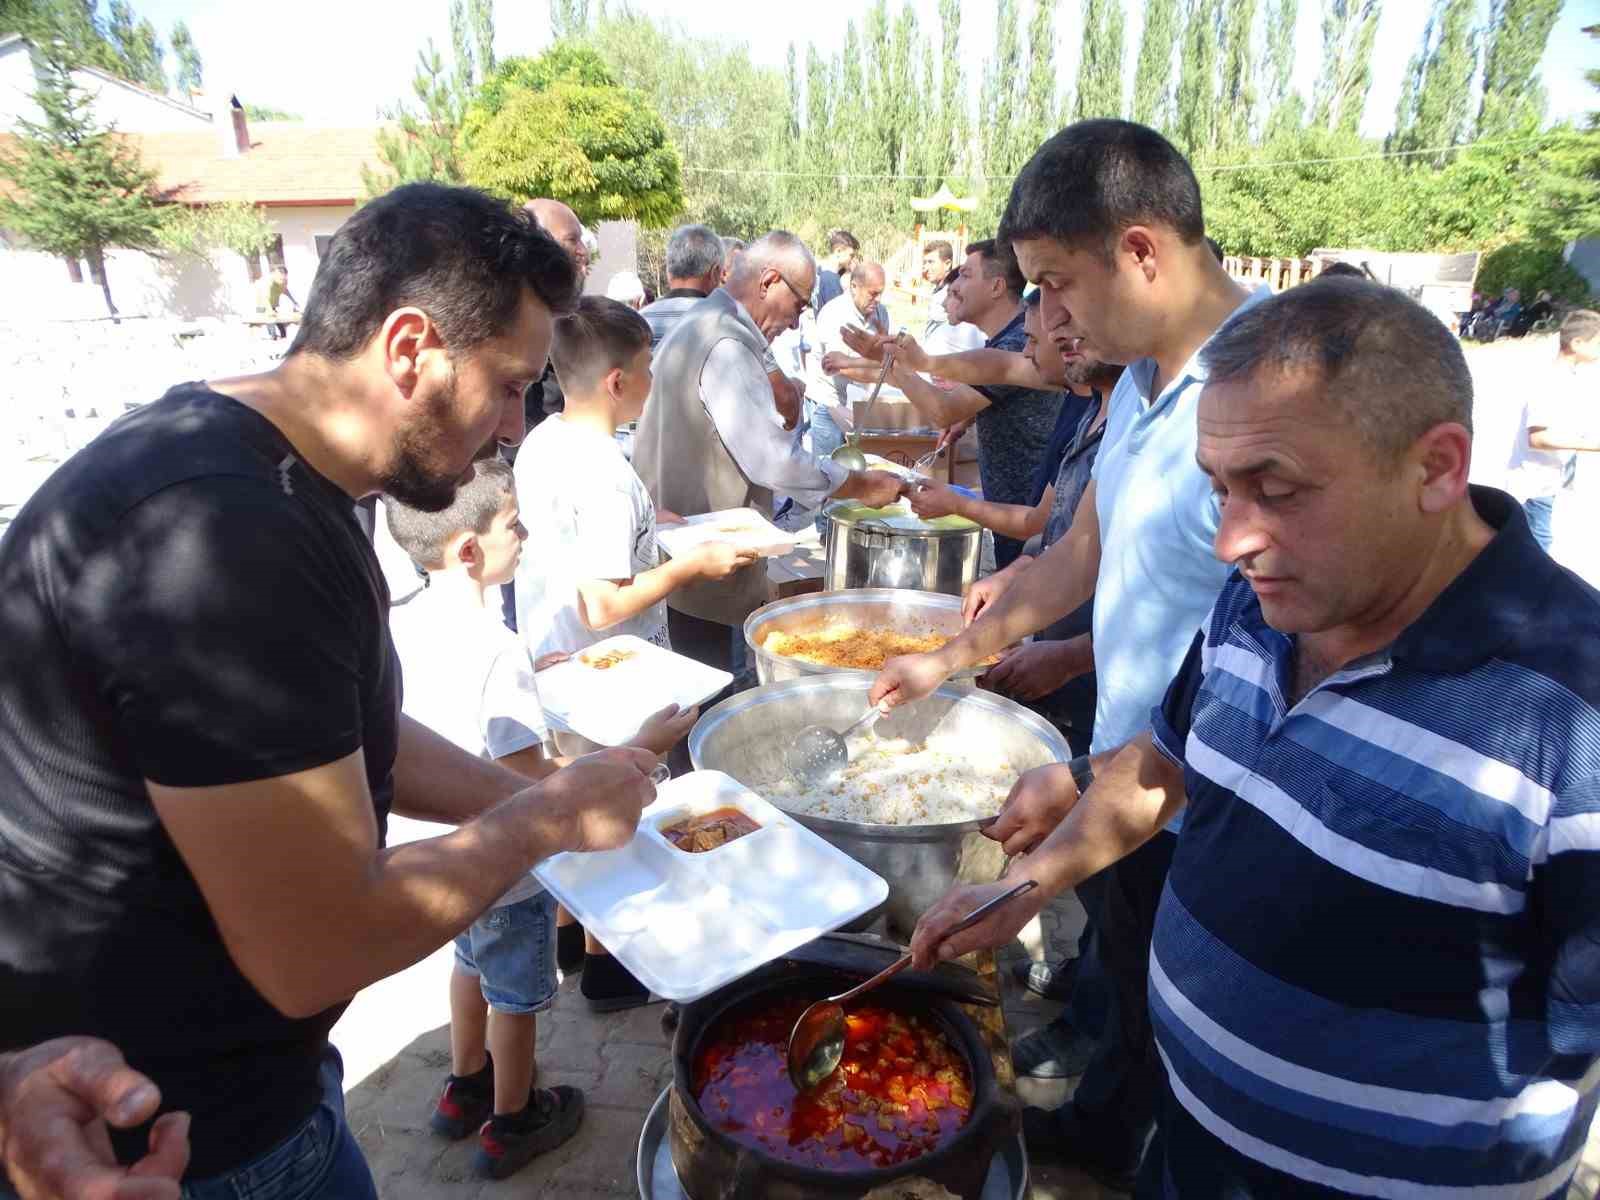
{"x":712,"y":1166}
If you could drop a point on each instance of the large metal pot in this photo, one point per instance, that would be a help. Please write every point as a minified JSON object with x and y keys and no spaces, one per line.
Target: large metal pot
{"x":744,"y":735}
{"x":899,"y":609}
{"x":864,"y":552}
{"x":713,"y":1166}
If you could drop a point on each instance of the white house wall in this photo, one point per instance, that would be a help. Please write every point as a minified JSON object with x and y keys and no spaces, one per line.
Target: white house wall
{"x":38,"y":287}
{"x":130,"y":109}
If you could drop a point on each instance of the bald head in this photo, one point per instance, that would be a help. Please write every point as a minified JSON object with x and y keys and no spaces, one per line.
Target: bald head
{"x":773,"y":278}
{"x":561,"y":223}
{"x":867,"y":283}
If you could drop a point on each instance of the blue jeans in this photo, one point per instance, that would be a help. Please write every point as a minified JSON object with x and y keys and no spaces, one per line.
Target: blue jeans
{"x":826,"y":437}
{"x":319,"y":1161}
{"x":1539,"y":510}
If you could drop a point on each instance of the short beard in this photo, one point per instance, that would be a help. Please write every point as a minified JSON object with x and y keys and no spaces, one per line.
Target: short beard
{"x":409,"y":480}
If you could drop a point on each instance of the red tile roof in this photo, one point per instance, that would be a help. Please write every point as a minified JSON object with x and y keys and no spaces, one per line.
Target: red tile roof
{"x":287,"y":164}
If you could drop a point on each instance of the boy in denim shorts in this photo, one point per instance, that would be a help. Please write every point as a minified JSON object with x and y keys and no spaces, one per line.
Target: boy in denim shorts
{"x":470,"y":679}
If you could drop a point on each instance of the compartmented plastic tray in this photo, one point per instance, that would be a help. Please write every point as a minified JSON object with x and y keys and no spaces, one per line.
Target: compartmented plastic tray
{"x":687,"y":923}
{"x":742,"y":527}
{"x":608,"y":704}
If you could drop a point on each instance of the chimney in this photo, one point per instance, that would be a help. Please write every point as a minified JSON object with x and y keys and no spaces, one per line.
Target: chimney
{"x":231,"y":128}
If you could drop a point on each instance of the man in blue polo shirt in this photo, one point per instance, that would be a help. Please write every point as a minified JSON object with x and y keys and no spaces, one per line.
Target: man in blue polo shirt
{"x":1376,"y":963}
{"x":1106,"y":218}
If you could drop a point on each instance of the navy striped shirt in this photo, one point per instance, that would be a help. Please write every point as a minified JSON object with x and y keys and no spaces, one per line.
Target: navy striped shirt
{"x":1376,"y":964}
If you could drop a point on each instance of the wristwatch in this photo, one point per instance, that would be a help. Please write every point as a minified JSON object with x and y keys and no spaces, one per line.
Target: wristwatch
{"x":1082,"y":772}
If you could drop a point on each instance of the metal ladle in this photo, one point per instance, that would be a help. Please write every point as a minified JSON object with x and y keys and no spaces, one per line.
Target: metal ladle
{"x":849,"y":455}
{"x":817,"y":751}
{"x":816,"y":1045}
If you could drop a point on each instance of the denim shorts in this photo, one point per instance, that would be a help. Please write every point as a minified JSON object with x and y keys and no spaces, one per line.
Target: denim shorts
{"x":512,"y":951}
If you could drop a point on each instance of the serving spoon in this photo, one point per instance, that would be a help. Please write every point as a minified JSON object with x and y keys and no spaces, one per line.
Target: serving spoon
{"x":816,"y":1045}
{"x":849,"y":455}
{"x":817,"y":751}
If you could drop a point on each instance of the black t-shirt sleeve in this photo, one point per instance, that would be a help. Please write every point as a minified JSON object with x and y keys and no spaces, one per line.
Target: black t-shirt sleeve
{"x":218,"y":624}
{"x":1171,"y":718}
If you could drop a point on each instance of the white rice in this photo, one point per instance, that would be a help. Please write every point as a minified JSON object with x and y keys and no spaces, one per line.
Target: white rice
{"x":891,"y":781}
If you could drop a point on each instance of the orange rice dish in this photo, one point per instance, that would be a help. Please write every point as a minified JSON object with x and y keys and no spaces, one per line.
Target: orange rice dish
{"x":848,"y":647}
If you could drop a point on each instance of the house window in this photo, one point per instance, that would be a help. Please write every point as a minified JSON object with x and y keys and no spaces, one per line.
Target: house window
{"x":323,"y":240}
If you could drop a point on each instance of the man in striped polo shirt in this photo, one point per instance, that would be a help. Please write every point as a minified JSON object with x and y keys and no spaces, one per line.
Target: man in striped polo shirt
{"x":1376,"y":965}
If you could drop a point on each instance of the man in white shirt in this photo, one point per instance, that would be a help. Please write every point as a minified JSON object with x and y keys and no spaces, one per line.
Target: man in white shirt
{"x":860,"y":305}
{"x":1558,"y":425}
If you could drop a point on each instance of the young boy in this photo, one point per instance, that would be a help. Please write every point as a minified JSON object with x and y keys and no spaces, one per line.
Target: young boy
{"x":469,"y":679}
{"x":592,"y":569}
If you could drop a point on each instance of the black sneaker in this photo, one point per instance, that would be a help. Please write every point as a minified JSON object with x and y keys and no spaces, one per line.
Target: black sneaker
{"x":609,"y":986}
{"x":1057,"y":1136}
{"x":1054,"y":1051}
{"x":569,"y":948}
{"x":1042,"y":979}
{"x":506,"y":1144}
{"x":465,"y":1104}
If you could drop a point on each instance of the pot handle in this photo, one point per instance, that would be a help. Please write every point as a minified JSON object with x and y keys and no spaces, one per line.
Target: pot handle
{"x":746,"y":1181}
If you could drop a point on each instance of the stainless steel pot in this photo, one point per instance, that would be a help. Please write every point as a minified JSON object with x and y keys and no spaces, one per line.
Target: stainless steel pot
{"x":867,"y":608}
{"x":743,"y":736}
{"x":863,"y":552}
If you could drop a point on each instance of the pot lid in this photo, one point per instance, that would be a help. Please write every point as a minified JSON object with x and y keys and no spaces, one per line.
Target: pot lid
{"x":866,"y":954}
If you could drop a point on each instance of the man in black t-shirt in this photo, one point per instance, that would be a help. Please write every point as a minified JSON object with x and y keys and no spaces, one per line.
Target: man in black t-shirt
{"x":200,"y":729}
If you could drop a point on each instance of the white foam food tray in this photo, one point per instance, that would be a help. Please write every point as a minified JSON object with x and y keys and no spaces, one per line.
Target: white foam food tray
{"x":744,"y":528}
{"x":685,"y":924}
{"x":607,"y":704}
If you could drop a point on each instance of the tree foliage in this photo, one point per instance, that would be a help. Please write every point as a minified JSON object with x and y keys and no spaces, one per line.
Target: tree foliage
{"x":191,"y":71}
{"x":1349,"y":33}
{"x":1152,"y":80}
{"x":1196,"y":124}
{"x":121,"y":42}
{"x":561,"y":126}
{"x":1513,"y":99}
{"x":1099,"y":92}
{"x":79,"y":189}
{"x":1436,"y":96}
{"x":239,"y":227}
{"x":1237,"y":94}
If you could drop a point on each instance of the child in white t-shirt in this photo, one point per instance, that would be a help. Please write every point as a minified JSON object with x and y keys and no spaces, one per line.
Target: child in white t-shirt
{"x":591,"y":569}
{"x":471,"y":680}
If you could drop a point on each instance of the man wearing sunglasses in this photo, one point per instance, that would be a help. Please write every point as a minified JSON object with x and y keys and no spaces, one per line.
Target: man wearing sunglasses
{"x":709,"y":439}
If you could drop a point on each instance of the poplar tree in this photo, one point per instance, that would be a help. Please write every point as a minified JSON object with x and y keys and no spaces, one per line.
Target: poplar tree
{"x":1283,"y":106}
{"x":1349,"y":32}
{"x":1196,"y":124}
{"x":1513,"y":98}
{"x":1435,"y":106}
{"x":1099,"y":92}
{"x":1152,"y":80}
{"x":1237,"y":98}
{"x":191,"y":72}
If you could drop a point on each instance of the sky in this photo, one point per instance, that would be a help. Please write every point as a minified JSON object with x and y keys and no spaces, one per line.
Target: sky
{"x":340,"y":62}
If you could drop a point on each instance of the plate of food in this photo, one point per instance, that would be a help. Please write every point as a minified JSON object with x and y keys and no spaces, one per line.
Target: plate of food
{"x":715,"y":883}
{"x":744,"y":528}
{"x":608,"y":690}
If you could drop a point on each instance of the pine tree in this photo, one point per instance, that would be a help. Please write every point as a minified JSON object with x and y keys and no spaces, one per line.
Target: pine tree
{"x":1099,"y":91}
{"x":191,"y":72}
{"x":1196,"y":124}
{"x":480,"y":20}
{"x":77,"y":190}
{"x":1436,"y":97}
{"x":425,"y":144}
{"x":1349,"y":31}
{"x":1281,"y":107}
{"x":1152,"y":80}
{"x":1513,"y":98}
{"x":1237,"y":99}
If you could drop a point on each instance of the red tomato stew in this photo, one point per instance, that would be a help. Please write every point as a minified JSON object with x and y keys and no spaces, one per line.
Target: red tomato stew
{"x":901,"y":1091}
{"x":709,"y":830}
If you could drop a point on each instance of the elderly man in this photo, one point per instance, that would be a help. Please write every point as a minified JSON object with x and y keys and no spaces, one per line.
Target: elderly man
{"x":561,"y":223}
{"x":859,"y":305}
{"x":694,"y":271}
{"x":1374,"y":966}
{"x":707,"y":440}
{"x":200,"y":730}
{"x":1106,"y":218}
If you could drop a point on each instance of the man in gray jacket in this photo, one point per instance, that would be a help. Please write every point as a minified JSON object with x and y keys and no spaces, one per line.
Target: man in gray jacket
{"x":710,"y":440}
